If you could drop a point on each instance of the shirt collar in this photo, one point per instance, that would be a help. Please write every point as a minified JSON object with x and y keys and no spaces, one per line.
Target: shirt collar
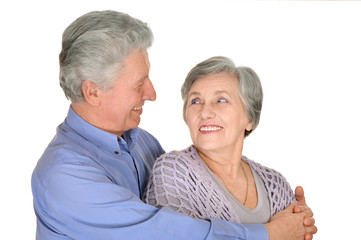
{"x":108,"y":141}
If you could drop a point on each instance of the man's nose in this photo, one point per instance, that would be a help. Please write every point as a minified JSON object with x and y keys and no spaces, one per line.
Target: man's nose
{"x":148,"y":91}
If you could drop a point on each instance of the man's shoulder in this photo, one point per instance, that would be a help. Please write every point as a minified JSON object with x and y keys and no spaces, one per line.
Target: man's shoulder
{"x":147,"y":140}
{"x":143,"y":134}
{"x":61,"y":150}
{"x":67,"y":146}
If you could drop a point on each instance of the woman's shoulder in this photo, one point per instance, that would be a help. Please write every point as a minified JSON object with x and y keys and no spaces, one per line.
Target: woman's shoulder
{"x":279,"y":190}
{"x":187,"y":156}
{"x":181,"y":164}
{"x":266,"y":172}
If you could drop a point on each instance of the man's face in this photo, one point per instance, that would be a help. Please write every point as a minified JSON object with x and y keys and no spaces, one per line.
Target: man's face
{"x":121,"y":105}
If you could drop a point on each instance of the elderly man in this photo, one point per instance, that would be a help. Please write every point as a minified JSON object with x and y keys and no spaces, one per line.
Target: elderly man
{"x":88,"y":183}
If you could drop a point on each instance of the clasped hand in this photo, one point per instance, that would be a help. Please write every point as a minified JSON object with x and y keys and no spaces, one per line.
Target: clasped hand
{"x":296,"y":222}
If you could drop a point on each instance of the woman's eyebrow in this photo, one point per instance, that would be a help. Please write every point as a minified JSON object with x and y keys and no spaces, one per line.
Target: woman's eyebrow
{"x":194,"y":94}
{"x":222,"y":91}
{"x":216,"y":93}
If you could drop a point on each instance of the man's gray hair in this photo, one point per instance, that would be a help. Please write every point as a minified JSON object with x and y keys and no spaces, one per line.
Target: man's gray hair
{"x":249,"y":85}
{"x":94,"y":48}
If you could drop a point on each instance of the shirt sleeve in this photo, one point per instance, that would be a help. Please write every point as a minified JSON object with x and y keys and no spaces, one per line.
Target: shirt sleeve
{"x":80,"y":202}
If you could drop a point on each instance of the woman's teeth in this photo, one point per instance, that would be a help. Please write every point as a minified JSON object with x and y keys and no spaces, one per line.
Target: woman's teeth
{"x":210,"y":129}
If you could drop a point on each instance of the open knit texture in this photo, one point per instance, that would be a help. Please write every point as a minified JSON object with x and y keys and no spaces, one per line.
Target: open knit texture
{"x":179,"y":180}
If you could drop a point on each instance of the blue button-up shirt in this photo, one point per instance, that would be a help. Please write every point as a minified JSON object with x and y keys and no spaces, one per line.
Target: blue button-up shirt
{"x":88,"y":185}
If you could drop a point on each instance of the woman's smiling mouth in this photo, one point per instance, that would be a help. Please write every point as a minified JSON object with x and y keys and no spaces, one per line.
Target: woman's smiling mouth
{"x":210,"y":128}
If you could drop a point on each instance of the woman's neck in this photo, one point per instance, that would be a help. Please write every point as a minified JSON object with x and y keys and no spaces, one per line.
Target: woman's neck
{"x":225,"y":162}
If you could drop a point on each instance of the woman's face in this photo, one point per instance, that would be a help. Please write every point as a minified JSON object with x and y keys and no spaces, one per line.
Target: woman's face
{"x":215,"y":114}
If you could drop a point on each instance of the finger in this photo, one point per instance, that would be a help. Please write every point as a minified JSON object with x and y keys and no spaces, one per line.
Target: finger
{"x":291,"y":207}
{"x":308,"y":222}
{"x":311,"y":230}
{"x":300,"y":195}
{"x":308,"y":236}
{"x":303,"y":209}
{"x":299,"y":208}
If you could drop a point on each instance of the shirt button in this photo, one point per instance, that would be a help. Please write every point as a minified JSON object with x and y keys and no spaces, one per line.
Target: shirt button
{"x":116,"y":152}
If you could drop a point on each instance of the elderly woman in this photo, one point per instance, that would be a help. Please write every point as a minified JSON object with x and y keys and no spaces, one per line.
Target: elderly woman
{"x":211,"y":178}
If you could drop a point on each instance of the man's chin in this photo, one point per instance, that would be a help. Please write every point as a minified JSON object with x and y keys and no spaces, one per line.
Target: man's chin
{"x":134,"y":124}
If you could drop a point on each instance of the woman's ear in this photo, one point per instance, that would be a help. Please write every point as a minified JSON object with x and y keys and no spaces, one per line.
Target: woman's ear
{"x":91,"y":93}
{"x":249,"y":127}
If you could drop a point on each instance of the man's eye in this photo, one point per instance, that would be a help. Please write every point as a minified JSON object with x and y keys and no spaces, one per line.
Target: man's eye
{"x":222,"y":100}
{"x":195,"y":101}
{"x":139,"y":87}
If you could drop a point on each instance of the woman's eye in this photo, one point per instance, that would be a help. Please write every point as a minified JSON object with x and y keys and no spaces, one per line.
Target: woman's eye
{"x":222,"y":100}
{"x":194,"y":101}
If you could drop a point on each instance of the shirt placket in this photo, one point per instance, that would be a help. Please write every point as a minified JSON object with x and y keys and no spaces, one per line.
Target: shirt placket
{"x":125,"y":150}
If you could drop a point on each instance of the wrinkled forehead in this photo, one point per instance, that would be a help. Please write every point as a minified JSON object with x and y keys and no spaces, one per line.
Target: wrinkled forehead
{"x":214,"y":83}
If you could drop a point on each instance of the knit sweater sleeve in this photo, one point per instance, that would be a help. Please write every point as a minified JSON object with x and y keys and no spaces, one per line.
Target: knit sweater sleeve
{"x":280,"y":193}
{"x":178,"y":181}
{"x":166,"y":186}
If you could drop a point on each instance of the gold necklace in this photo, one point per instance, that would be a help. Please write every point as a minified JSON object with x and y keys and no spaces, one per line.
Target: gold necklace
{"x":224,"y":183}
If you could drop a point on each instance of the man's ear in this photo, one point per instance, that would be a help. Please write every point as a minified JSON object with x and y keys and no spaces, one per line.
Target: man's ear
{"x":91,"y":93}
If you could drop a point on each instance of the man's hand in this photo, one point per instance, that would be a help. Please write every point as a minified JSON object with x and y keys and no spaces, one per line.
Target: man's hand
{"x":296,"y":222}
{"x":302,"y":207}
{"x":287,"y":225}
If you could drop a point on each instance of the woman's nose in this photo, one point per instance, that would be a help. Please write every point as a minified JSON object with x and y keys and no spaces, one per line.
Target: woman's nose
{"x":208,"y":111}
{"x":148,"y":91}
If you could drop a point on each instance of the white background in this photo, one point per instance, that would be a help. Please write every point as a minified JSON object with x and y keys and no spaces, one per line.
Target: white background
{"x":307,"y":55}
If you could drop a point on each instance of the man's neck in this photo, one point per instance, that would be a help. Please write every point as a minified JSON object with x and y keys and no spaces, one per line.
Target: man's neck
{"x":91,"y":115}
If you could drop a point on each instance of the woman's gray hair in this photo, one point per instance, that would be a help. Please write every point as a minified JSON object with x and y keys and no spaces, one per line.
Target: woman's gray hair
{"x":249,"y":85}
{"x":94,"y":47}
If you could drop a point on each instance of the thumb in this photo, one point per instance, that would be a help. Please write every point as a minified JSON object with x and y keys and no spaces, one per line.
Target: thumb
{"x":300,"y":196}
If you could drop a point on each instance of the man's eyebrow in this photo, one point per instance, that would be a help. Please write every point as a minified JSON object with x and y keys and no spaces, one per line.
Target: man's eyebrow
{"x":142,"y":79}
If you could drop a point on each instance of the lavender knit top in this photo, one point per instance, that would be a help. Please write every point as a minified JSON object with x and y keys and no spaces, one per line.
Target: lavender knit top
{"x":179,"y":180}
